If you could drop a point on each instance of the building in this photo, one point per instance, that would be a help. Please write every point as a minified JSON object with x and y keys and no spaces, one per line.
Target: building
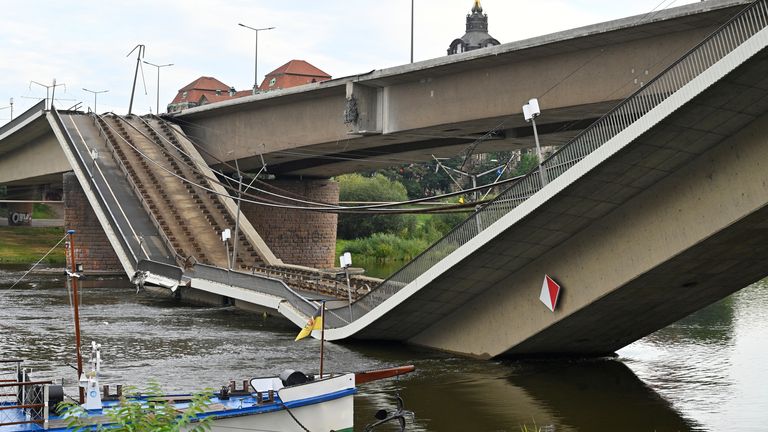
{"x":204,"y":90}
{"x":292,"y":74}
{"x":477,"y":35}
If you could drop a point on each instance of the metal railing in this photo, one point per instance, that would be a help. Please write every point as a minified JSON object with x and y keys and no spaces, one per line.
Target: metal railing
{"x":81,"y":160}
{"x":712,"y":49}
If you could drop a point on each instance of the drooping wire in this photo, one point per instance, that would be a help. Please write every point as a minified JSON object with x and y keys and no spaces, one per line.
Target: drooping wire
{"x":375,"y":208}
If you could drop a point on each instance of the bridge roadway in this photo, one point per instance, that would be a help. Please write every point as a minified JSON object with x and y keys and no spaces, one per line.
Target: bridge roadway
{"x":651,"y":213}
{"x":439,"y":106}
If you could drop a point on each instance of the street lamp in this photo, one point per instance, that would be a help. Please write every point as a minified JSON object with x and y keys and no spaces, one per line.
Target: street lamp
{"x":412,"y":31}
{"x":256,"y":55}
{"x":157,"y":109}
{"x":95,"y":93}
{"x":530,"y":112}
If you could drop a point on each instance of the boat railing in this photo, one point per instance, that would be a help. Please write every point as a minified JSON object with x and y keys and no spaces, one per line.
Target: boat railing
{"x":22,"y":400}
{"x":696,"y":61}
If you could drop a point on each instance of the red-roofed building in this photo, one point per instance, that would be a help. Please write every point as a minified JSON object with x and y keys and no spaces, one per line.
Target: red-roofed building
{"x":292,"y":74}
{"x":205,"y":90}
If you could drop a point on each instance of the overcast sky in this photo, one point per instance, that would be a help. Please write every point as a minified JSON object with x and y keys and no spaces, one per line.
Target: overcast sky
{"x":84,"y":44}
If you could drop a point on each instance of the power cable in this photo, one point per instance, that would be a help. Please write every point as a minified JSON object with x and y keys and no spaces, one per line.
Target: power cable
{"x":371,"y":209}
{"x":334,"y":206}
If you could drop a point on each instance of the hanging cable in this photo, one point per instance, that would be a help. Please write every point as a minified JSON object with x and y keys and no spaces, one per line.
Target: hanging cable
{"x":373,"y":209}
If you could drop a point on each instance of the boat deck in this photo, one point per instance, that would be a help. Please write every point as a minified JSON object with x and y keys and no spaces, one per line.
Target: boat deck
{"x":235,"y":405}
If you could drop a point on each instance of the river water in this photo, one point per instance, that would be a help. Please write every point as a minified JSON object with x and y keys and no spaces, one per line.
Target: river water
{"x":707,"y":372}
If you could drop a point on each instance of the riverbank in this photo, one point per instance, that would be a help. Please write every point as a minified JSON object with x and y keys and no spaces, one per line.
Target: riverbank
{"x":26,"y":245}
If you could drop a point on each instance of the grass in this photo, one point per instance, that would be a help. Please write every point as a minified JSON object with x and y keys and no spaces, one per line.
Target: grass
{"x":22,"y":245}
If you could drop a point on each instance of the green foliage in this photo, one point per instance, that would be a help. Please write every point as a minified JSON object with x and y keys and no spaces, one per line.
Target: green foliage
{"x":390,"y":247}
{"x":146,"y":413}
{"x":528,"y":161}
{"x":42,"y":211}
{"x":383,"y":246}
{"x":355,"y":187}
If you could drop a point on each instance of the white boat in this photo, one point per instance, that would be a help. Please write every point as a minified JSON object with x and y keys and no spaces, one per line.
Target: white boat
{"x":290,"y":402}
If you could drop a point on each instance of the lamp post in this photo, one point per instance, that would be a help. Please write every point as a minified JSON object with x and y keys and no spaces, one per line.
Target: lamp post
{"x":412,"y":31}
{"x":157,"y":108}
{"x":95,"y":93}
{"x":255,"y":54}
{"x":530,"y":112}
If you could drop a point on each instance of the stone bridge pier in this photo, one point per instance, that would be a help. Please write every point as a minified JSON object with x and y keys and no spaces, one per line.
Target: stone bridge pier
{"x":92,"y":248}
{"x":299,"y":237}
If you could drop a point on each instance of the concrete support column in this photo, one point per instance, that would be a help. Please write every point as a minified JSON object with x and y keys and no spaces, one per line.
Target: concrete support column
{"x":298,"y":236}
{"x":92,"y":248}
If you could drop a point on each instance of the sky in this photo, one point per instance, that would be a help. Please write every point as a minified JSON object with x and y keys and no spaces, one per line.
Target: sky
{"x":85,"y":44}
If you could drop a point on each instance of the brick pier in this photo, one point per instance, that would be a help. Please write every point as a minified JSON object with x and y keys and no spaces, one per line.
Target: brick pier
{"x":299,"y":236}
{"x":92,"y":248}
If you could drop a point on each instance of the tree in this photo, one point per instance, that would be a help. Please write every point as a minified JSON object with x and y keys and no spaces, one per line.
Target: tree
{"x":355,"y":187}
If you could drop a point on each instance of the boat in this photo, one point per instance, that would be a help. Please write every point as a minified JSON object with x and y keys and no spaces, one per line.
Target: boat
{"x":291,"y":401}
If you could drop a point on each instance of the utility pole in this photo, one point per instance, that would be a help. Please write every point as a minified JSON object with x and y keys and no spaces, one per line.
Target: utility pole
{"x":47,"y":90}
{"x":142,"y":49}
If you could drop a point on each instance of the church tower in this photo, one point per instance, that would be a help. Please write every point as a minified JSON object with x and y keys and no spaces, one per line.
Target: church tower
{"x":477,"y":33}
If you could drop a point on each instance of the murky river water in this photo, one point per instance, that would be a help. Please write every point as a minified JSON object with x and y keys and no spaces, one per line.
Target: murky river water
{"x":706,"y":373}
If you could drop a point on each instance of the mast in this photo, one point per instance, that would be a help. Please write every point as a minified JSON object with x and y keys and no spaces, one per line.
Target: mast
{"x":76,"y":311}
{"x":322,"y":336}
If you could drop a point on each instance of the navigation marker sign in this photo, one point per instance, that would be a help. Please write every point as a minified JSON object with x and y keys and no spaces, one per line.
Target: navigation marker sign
{"x":550,"y":291}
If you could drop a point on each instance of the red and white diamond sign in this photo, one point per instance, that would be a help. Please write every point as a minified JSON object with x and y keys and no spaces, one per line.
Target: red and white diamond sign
{"x":550,"y":291}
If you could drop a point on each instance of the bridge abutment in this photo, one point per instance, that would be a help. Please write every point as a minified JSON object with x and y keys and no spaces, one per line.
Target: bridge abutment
{"x":298,"y":236}
{"x":92,"y":248}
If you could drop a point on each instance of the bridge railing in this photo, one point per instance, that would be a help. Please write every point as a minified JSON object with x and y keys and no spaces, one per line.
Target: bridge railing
{"x":86,"y":169}
{"x":712,"y":49}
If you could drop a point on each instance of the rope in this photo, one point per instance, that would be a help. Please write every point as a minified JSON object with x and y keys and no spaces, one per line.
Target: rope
{"x":293,"y":417}
{"x":33,"y":267}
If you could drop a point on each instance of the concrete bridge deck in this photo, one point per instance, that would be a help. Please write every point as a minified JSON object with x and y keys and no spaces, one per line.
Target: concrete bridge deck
{"x":440,"y":106}
{"x":652,"y":212}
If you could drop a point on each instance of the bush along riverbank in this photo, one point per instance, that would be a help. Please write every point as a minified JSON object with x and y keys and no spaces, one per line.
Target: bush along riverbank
{"x":384,"y":252}
{"x":26,"y":245}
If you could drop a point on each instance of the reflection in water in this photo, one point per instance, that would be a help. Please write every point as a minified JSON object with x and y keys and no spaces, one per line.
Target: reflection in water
{"x":703,"y":373}
{"x":711,"y":366}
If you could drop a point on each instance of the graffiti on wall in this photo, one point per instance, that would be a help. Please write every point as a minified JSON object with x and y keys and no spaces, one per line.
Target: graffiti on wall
{"x":19,"y":218}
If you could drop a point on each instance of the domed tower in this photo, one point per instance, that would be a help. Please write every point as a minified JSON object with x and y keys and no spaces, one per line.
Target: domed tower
{"x":477,"y":35}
